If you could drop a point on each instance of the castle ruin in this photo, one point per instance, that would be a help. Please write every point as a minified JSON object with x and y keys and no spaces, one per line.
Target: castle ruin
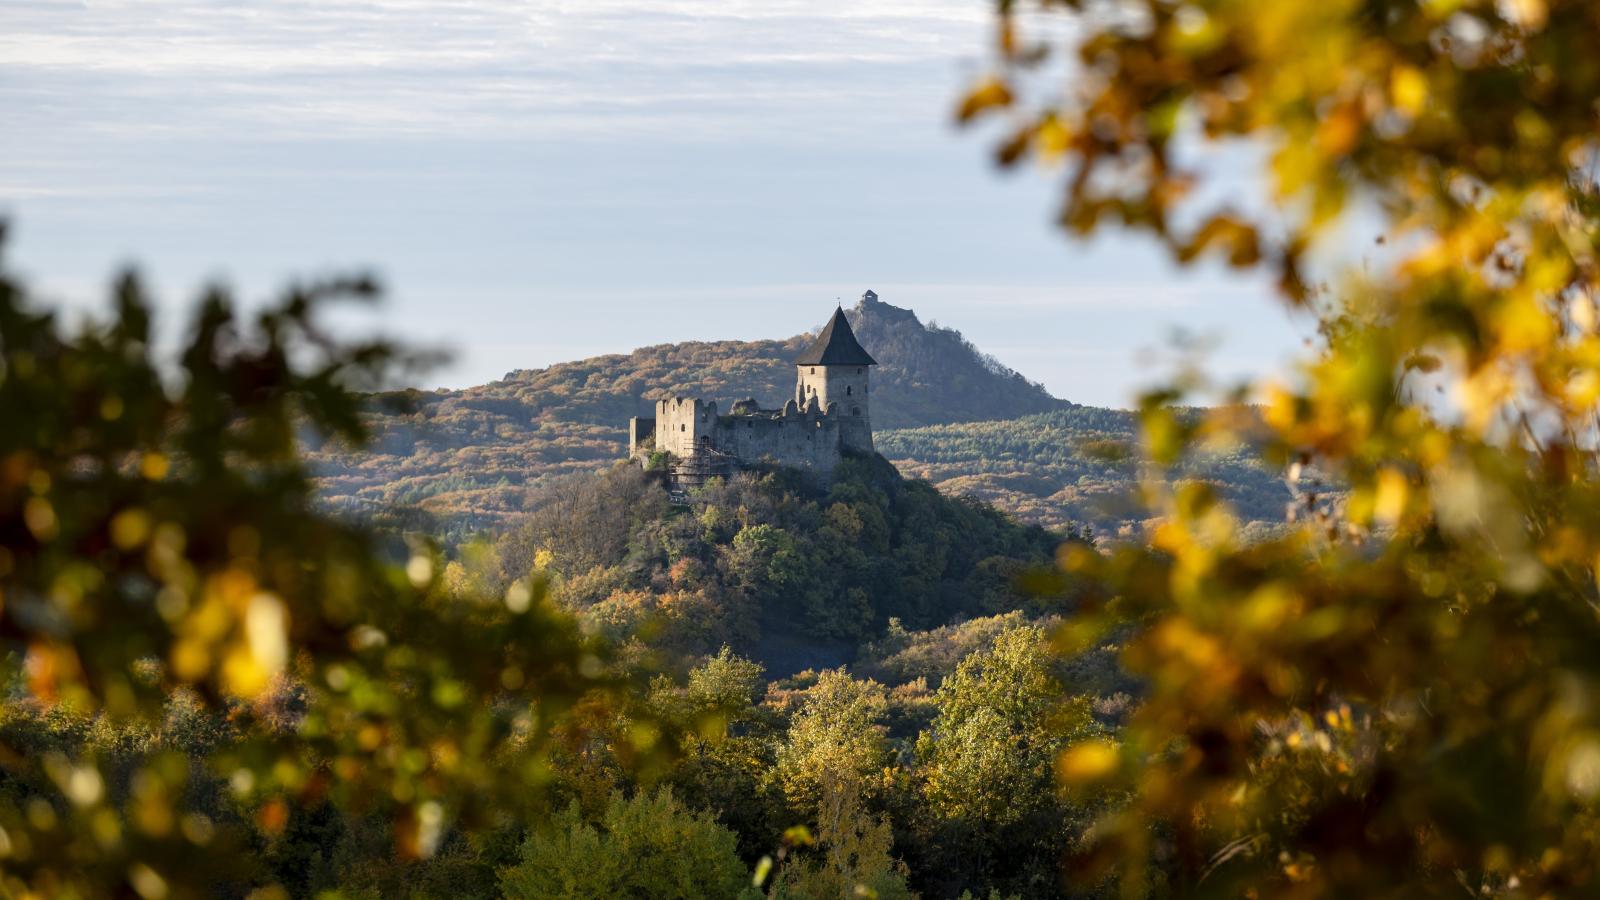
{"x":828,"y":417}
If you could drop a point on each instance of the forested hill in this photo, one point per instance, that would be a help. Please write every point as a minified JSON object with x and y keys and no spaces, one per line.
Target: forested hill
{"x":929,"y":375}
{"x":473,"y":452}
{"x":1077,"y":465}
{"x":926,"y":375}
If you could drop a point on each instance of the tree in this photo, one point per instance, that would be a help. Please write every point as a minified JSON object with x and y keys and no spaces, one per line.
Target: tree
{"x":853,"y":856}
{"x":158,"y":534}
{"x":646,"y":847}
{"x":1398,"y":697}
{"x":989,"y":756}
{"x":769,"y":562}
{"x":986,"y":764}
{"x":726,"y":746}
{"x":723,"y":690}
{"x":835,"y":738}
{"x":584,"y":521}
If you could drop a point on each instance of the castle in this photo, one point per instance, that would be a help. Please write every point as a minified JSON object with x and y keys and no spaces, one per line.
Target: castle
{"x":827,"y":418}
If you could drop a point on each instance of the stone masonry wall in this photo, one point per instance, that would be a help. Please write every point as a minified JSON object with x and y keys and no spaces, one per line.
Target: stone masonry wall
{"x":847,"y":388}
{"x":807,"y":438}
{"x":681,"y":423}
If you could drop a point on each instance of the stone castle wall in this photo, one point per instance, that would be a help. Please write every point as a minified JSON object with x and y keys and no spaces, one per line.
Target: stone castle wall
{"x":807,"y":438}
{"x":681,"y":423}
{"x":844,"y":388}
{"x":828,"y":418}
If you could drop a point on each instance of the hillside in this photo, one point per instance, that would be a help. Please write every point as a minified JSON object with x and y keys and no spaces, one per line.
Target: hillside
{"x":1068,"y":466}
{"x":942,"y":411}
{"x":772,"y":564}
{"x":472,"y":453}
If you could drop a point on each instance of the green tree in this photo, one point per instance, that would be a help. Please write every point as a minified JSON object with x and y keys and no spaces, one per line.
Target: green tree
{"x":646,"y":847}
{"x":158,"y":534}
{"x":986,"y":764}
{"x":853,"y":853}
{"x":726,"y":746}
{"x":989,"y":756}
{"x":723,"y":690}
{"x":770,"y":563}
{"x":834,"y":739}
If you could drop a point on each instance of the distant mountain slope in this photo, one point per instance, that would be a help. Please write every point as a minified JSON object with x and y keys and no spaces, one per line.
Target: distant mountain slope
{"x":472,"y":452}
{"x":926,"y":376}
{"x":930,"y":375}
{"x":1070,"y":465}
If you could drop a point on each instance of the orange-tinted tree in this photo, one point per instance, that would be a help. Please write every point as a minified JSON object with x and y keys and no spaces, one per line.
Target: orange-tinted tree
{"x":1401,"y":697}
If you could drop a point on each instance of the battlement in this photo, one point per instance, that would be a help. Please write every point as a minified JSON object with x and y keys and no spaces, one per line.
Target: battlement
{"x":812,"y":430}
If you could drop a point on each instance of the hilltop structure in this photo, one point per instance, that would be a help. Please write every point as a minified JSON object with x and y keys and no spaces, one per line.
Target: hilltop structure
{"x":828,"y":417}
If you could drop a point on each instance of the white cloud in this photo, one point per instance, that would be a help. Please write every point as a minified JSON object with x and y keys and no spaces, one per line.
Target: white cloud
{"x":363,"y":67}
{"x":1095,"y":294}
{"x":586,"y":167}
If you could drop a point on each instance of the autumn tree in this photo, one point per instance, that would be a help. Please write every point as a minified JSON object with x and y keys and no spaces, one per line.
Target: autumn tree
{"x":646,"y":847}
{"x":986,"y":764}
{"x":726,"y":746}
{"x":158,"y":537}
{"x":852,"y":855}
{"x":1400,"y":696}
{"x":835,"y":738}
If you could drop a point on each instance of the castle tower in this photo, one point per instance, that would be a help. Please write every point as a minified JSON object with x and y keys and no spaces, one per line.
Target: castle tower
{"x":834,"y":371}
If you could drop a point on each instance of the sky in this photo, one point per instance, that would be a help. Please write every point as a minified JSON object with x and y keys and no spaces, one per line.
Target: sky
{"x":544,"y":181}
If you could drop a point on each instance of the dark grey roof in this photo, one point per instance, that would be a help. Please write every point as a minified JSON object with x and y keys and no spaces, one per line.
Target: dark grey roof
{"x":836,"y":346}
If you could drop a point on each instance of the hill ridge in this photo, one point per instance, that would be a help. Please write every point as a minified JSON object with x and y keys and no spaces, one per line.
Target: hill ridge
{"x":471,"y":455}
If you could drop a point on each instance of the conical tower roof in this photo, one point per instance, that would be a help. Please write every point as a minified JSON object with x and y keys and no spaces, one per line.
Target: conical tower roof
{"x":836,"y":346}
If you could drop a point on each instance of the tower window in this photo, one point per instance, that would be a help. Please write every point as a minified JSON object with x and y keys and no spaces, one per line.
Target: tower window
{"x":683,"y":428}
{"x":813,"y":370}
{"x":858,"y":370}
{"x":849,"y":390}
{"x":855,"y":411}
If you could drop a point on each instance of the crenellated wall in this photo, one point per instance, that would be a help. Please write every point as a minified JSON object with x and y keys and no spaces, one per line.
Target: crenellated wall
{"x":845,"y":387}
{"x":830,"y":417}
{"x":808,"y":438}
{"x":682,"y":423}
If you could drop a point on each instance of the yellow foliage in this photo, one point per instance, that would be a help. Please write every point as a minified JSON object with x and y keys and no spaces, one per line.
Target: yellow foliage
{"x":1425,"y":644}
{"x":1087,"y":762}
